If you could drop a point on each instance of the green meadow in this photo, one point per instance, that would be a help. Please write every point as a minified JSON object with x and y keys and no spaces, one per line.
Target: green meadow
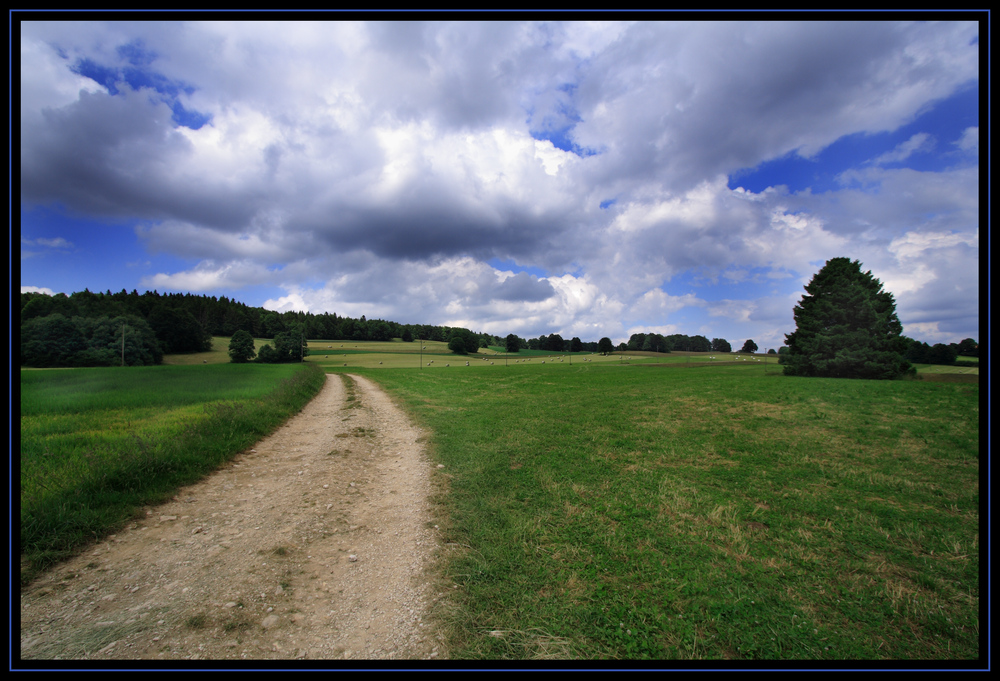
{"x":656,"y":512}
{"x":627,"y":507}
{"x":98,"y":444}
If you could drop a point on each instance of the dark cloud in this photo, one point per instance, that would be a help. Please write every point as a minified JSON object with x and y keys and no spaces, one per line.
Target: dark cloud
{"x":121,"y":156}
{"x":391,"y":160}
{"x":523,"y":287}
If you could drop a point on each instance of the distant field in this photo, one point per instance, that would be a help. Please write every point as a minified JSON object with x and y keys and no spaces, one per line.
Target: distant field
{"x":98,"y":443}
{"x":945,"y":369}
{"x":621,"y":512}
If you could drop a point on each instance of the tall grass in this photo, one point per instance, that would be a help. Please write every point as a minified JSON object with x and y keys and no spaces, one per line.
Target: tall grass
{"x":719,"y":513}
{"x":98,"y":444}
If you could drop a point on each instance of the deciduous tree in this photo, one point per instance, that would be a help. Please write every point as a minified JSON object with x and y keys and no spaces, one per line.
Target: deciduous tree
{"x":241,"y":347}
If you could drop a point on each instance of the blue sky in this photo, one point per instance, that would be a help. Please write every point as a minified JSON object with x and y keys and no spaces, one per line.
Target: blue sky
{"x":583,"y":178}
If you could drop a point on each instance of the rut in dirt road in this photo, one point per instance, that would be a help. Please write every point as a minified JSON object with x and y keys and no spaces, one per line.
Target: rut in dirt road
{"x":317,"y":544}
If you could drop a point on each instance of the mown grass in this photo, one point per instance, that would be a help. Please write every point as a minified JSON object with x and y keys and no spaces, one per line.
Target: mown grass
{"x":624,"y":512}
{"x":98,"y":444}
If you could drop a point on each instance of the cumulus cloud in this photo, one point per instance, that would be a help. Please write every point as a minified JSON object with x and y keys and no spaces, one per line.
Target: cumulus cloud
{"x":375,"y":168}
{"x":37,"y":289}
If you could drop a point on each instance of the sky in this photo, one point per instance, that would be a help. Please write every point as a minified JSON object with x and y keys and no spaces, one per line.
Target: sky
{"x":532,"y":177}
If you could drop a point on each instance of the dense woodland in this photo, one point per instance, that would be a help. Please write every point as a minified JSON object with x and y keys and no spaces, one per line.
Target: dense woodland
{"x":106,"y":329}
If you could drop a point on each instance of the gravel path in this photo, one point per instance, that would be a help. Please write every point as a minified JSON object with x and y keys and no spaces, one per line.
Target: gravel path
{"x":314,"y":544}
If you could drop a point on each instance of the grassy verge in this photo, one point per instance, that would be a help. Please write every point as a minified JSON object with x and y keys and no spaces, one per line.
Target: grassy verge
{"x":722,"y":513}
{"x":98,"y":444}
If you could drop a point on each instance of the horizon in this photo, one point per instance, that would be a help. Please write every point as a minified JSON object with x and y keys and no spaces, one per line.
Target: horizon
{"x":589,"y":179}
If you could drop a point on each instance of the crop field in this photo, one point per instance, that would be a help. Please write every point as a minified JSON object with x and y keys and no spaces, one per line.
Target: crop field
{"x":97,"y":444}
{"x":628,"y":512}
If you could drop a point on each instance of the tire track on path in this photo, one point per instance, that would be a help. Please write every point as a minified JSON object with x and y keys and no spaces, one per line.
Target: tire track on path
{"x":317,"y":543}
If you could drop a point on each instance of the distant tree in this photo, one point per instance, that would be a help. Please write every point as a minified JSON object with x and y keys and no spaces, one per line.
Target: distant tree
{"x":287,"y":346}
{"x":267,"y":355}
{"x":654,"y":342}
{"x":721,"y":345}
{"x":968,"y":348}
{"x":575,"y":345}
{"x":379,"y":331}
{"x":457,"y":345}
{"x":772,"y":351}
{"x":605,"y":346}
{"x":846,"y":326}
{"x":463,"y":342}
{"x":942,"y":354}
{"x":749,"y":347}
{"x":104,"y":340}
{"x":555,"y":343}
{"x":636,"y":341}
{"x":407,"y":335}
{"x":700,"y":344}
{"x":50,"y":341}
{"x":271,"y":325}
{"x":178,"y":331}
{"x":512,"y":343}
{"x":241,"y":347}
{"x":679,"y":342}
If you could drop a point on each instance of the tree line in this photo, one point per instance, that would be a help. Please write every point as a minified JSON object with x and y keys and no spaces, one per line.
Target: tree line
{"x":106,"y":329}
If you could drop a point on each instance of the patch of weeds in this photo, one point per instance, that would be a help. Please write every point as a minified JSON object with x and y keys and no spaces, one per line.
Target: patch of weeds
{"x":197,"y":621}
{"x":240,"y":624}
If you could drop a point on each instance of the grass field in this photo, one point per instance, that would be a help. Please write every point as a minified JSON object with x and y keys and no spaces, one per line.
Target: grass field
{"x":634,"y":506}
{"x":97,"y":444}
{"x":610,"y":512}
{"x":334,"y":354}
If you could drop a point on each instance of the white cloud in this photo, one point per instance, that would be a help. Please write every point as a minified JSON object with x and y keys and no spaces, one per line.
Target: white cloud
{"x":969,"y":140}
{"x":37,"y":289}
{"x":917,"y":144}
{"x":391,"y":161}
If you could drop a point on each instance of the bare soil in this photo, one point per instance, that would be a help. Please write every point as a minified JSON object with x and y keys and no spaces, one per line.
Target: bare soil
{"x":316,"y":544}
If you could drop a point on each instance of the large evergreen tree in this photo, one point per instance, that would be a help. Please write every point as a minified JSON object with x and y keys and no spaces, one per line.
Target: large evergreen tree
{"x":846,"y":327}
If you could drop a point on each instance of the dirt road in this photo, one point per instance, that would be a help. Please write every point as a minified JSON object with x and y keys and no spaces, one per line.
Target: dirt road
{"x":315,"y":544}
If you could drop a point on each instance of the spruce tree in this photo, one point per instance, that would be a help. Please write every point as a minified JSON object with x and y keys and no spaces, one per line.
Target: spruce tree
{"x":846,"y":327}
